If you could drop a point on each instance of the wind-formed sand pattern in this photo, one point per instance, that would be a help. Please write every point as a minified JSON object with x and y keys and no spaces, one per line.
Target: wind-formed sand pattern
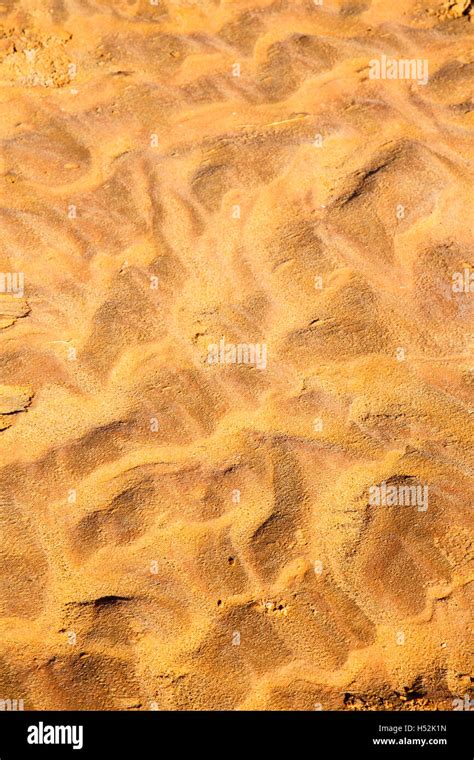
{"x":236,"y":370}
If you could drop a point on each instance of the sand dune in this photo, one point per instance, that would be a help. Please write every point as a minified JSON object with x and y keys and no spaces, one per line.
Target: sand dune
{"x":183,"y":532}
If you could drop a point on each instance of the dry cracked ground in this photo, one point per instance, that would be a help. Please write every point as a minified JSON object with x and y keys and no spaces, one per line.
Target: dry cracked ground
{"x":236,"y":302}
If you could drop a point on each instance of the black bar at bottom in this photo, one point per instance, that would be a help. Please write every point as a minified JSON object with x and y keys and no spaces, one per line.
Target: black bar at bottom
{"x":154,"y":734}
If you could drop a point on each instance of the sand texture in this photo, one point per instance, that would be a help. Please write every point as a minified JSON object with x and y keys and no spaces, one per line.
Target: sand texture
{"x":228,"y":310}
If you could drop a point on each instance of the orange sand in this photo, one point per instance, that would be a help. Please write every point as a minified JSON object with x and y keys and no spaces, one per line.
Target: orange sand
{"x":183,"y":535}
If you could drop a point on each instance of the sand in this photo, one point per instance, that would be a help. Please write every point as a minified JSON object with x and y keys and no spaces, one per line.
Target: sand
{"x":235,"y":297}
